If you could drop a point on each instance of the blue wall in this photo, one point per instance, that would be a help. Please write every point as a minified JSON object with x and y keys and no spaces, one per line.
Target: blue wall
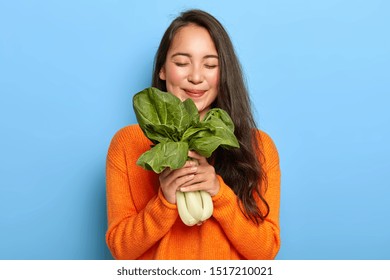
{"x":318,"y":73}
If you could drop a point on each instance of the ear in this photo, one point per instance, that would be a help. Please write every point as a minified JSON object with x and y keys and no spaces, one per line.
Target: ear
{"x":161,"y":74}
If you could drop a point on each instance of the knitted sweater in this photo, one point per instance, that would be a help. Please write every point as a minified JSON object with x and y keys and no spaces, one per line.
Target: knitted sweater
{"x":142,"y":224}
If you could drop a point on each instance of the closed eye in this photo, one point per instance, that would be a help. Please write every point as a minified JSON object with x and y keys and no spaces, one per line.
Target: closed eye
{"x":179,"y":64}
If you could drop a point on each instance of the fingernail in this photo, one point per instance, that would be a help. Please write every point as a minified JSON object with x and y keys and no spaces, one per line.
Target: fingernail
{"x":194,"y":169}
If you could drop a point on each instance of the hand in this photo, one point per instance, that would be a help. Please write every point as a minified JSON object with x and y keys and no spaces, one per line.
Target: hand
{"x":172,"y":180}
{"x":204,"y":177}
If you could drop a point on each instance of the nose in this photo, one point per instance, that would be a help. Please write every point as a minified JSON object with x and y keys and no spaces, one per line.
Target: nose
{"x":195,"y":76}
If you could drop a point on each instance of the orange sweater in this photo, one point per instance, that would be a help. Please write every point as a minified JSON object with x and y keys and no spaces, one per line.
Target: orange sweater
{"x":143,"y":225}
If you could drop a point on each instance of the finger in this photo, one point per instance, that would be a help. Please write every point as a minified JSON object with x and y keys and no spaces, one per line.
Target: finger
{"x":184,"y":171}
{"x":165,"y":173}
{"x":195,"y":155}
{"x":198,"y":178}
{"x":168,"y":171}
{"x":183,"y":180}
{"x":194,"y":162}
{"x":189,"y":163}
{"x":191,"y":187}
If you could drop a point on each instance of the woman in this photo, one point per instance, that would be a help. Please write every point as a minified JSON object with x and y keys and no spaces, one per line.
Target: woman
{"x":196,"y":60}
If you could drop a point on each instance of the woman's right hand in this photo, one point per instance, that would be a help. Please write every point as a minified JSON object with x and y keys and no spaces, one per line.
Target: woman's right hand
{"x":172,"y":180}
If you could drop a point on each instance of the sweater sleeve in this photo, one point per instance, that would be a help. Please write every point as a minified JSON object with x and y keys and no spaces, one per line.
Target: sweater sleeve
{"x":252,"y":241}
{"x":132,"y":232}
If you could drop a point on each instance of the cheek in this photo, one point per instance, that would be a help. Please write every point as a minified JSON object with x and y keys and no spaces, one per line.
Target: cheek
{"x":174,"y":76}
{"x":213,"y":79}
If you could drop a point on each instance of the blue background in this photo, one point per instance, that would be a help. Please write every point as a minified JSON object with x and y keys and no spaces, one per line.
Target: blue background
{"x":318,"y":73}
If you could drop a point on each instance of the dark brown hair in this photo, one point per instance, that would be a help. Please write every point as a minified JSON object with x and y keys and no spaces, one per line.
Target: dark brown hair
{"x":240,"y":168}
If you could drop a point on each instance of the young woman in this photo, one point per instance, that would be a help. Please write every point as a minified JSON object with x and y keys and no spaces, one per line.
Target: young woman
{"x":196,"y":60}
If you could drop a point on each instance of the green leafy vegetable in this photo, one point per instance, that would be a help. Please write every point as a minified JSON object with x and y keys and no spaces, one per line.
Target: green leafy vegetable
{"x":175,"y":128}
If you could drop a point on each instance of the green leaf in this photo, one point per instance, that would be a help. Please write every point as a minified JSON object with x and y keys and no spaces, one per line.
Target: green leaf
{"x":210,"y":136}
{"x":219,"y":114}
{"x":162,"y":132}
{"x":192,"y":111}
{"x":175,"y":128}
{"x":164,"y":155}
{"x":164,"y":111}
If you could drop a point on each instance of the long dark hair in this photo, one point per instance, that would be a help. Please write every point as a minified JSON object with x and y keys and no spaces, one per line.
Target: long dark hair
{"x":240,"y":168}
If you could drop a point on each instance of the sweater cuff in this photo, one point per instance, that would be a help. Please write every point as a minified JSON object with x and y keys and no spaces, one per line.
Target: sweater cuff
{"x":225,"y":193}
{"x":165,"y":202}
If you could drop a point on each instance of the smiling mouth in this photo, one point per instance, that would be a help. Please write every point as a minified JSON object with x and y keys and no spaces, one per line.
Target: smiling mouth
{"x":195,"y":93}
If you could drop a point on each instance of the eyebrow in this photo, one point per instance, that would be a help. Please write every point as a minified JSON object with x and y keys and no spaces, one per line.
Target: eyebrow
{"x":188,"y":55}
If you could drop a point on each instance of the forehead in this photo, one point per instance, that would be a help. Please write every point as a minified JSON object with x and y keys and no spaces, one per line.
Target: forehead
{"x":193,"y":39}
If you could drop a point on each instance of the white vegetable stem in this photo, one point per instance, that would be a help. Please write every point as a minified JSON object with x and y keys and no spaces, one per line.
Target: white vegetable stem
{"x":194,"y":207}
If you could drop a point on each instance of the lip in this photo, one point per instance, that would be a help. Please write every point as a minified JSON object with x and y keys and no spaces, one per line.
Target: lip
{"x":195,"y":92}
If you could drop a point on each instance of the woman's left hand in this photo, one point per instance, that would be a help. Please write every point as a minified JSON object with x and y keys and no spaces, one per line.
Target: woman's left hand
{"x":205,"y":177}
